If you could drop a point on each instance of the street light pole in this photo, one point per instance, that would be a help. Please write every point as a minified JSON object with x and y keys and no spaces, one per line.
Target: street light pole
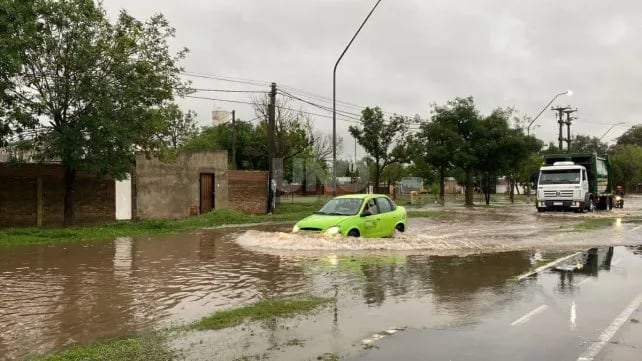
{"x":528,"y":129}
{"x":612,"y":126}
{"x":334,"y":103}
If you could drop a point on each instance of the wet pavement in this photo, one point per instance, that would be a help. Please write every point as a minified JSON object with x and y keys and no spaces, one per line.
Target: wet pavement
{"x":449,"y":289}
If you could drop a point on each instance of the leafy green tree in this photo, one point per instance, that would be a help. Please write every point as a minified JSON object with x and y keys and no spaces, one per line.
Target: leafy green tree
{"x":181,"y":127}
{"x":459,"y":117}
{"x":626,"y":164}
{"x":586,"y":143}
{"x":498,"y":148}
{"x":251,"y":144}
{"x":17,"y":26}
{"x":394,"y":172}
{"x":633,"y":136}
{"x":89,"y":88}
{"x":434,"y":146}
{"x":383,"y":141}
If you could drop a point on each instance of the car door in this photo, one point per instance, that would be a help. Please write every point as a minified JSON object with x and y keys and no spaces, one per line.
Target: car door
{"x":370,"y":222}
{"x":386,"y":221}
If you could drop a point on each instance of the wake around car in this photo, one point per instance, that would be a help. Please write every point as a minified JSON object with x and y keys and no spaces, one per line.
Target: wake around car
{"x":356,"y":215}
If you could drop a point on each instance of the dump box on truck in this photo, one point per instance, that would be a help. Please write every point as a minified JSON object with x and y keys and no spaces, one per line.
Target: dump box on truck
{"x":575,"y":181}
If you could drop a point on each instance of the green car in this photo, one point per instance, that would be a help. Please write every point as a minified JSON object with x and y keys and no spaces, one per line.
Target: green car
{"x":356,"y":215}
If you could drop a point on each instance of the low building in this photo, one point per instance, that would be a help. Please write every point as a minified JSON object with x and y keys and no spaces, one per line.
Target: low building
{"x":32,"y":194}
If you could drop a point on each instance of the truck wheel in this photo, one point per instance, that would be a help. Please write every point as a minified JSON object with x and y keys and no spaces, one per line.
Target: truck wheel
{"x":591,"y":207}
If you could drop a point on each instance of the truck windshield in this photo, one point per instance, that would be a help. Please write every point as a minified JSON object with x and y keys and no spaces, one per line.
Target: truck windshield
{"x":559,"y":176}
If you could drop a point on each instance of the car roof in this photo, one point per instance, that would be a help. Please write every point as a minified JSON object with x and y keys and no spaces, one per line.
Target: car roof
{"x":361,"y":196}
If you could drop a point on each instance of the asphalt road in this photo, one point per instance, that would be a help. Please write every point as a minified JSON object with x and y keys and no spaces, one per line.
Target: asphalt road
{"x":561,"y":313}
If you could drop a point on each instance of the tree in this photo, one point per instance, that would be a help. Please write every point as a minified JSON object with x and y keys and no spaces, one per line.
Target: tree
{"x":89,"y":89}
{"x":434,"y":145}
{"x":499,"y":150}
{"x":394,"y":172}
{"x":626,"y":164}
{"x":586,"y":143}
{"x":291,"y":135}
{"x":181,"y":126}
{"x":322,"y":146}
{"x":383,"y":141}
{"x":251,"y":144}
{"x":632,"y":136}
{"x":458,"y":117}
{"x":17,"y":25}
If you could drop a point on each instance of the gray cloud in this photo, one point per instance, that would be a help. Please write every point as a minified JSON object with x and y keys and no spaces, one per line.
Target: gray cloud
{"x":414,"y":53}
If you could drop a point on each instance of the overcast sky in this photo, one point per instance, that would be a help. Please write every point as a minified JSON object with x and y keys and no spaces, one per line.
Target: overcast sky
{"x":413,"y":53}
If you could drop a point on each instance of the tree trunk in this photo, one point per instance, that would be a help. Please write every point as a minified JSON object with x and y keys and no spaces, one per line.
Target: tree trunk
{"x":512,"y":189}
{"x":70,"y":196}
{"x":469,"y":187}
{"x":442,"y":186}
{"x":377,"y":174}
{"x":487,"y":189}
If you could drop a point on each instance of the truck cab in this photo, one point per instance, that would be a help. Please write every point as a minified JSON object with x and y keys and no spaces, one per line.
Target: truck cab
{"x":564,"y":185}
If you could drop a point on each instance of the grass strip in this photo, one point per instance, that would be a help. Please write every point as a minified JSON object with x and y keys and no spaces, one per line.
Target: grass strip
{"x":591,"y":224}
{"x":143,"y":348}
{"x":262,"y":310}
{"x":23,"y":236}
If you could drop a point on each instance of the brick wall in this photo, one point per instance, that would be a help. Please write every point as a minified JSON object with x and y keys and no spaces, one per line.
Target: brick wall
{"x":247,"y":191}
{"x":95,"y":198}
{"x":17,"y":201}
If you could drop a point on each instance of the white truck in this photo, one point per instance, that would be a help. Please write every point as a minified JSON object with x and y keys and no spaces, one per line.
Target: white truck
{"x":574,"y":181}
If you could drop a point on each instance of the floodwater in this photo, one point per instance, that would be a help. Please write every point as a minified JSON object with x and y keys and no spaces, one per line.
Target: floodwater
{"x":443,"y":272}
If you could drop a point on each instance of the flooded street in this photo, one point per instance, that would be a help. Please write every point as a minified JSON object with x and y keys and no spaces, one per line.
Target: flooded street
{"x":452,"y":287}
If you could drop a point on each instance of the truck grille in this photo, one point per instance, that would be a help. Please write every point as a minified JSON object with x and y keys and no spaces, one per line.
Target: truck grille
{"x":558,"y":194}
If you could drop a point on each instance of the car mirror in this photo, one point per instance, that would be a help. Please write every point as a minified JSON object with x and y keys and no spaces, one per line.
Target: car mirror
{"x":366,"y":213}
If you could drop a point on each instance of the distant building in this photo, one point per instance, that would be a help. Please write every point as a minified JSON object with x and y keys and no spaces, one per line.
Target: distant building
{"x":220,"y":116}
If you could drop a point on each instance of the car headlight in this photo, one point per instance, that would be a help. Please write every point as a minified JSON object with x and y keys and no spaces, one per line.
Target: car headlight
{"x":295,"y":229}
{"x":333,"y":230}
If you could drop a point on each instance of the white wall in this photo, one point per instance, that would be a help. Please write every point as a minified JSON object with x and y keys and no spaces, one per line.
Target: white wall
{"x":124,"y":200}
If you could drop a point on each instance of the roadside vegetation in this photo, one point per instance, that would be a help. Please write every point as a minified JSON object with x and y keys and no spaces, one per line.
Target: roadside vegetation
{"x":154,"y":347}
{"x":285,"y":212}
{"x":591,"y":224}
{"x":262,"y":310}
{"x":148,"y":347}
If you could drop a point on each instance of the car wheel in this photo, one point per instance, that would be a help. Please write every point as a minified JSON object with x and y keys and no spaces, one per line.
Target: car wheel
{"x":400,"y":227}
{"x":353,"y":233}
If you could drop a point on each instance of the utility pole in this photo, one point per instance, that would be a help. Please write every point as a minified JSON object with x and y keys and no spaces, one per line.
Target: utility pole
{"x":569,"y":119}
{"x":271,"y":126}
{"x":560,"y":120}
{"x":233,"y":139}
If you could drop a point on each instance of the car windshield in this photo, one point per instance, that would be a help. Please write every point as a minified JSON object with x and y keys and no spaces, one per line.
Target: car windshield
{"x":560,"y":176}
{"x":341,"y":207}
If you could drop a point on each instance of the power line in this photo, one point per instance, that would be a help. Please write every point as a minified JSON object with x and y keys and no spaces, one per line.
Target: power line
{"x":304,"y":93}
{"x":328,"y":109}
{"x":219,"y":100}
{"x":280,"y":107}
{"x":227,"y":79}
{"x":228,"y":90}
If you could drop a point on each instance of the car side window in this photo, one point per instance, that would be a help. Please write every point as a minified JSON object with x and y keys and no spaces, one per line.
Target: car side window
{"x":384,"y":205}
{"x":583,"y":174}
{"x":371,"y":207}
